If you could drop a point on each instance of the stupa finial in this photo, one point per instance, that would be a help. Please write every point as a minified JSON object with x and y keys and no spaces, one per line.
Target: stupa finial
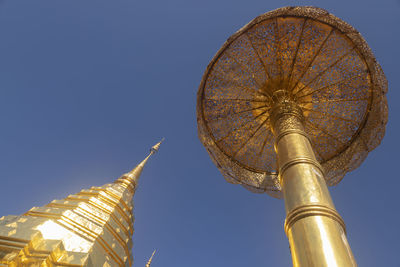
{"x":134,"y":174}
{"x":152,"y":255}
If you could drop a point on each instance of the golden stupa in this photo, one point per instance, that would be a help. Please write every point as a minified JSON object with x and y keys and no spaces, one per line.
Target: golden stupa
{"x":91,"y":228}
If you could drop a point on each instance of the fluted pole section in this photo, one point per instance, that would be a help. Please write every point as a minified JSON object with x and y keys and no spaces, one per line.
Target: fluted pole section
{"x":316,"y":232}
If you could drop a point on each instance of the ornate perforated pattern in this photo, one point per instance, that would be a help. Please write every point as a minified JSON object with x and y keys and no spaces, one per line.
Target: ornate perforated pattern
{"x":323,"y":64}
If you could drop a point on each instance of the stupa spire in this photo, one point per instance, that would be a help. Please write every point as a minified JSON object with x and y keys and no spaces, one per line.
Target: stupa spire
{"x":151,"y":259}
{"x":131,"y":179}
{"x":134,"y":174}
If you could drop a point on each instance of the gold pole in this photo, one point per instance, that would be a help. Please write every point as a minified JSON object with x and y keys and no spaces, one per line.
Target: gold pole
{"x":315,"y":230}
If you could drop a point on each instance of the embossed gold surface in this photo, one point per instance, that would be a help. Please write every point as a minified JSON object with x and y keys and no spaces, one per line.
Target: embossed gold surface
{"x":90,"y":228}
{"x":315,"y":230}
{"x":323,"y":64}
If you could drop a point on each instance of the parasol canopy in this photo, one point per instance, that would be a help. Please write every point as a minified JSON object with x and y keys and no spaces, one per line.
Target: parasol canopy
{"x":323,"y":64}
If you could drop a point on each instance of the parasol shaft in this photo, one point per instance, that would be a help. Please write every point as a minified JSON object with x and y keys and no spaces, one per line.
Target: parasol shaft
{"x":315,"y":230}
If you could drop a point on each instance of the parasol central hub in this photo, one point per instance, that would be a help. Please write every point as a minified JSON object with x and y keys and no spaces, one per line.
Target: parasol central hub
{"x":281,"y":96}
{"x":281,"y":90}
{"x":284,"y":105}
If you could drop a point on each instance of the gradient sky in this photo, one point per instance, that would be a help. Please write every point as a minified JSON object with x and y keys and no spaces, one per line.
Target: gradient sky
{"x":87,"y":87}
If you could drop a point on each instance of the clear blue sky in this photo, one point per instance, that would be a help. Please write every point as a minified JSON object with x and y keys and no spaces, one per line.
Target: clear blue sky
{"x":87,"y":87}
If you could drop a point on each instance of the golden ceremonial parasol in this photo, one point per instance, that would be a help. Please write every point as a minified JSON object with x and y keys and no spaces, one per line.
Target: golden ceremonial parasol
{"x":293,"y":101}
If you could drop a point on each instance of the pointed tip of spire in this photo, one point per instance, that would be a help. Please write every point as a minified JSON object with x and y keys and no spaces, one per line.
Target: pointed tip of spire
{"x":155,"y":148}
{"x":151,"y":259}
{"x":135,"y":172}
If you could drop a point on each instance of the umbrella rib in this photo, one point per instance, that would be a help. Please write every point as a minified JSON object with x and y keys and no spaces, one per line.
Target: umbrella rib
{"x":278,"y":47}
{"x":325,"y":132}
{"x":264,"y":143}
{"x":235,"y":113}
{"x":244,"y":67}
{"x":314,"y":148}
{"x":330,"y":85}
{"x":258,"y":56}
{"x":230,"y":78}
{"x":251,"y":136}
{"x":333,"y":100}
{"x":240,"y":126}
{"x":297,"y":50}
{"x":313,"y":59}
{"x":330,"y":115}
{"x":317,"y":152}
{"x":234,"y":99}
{"x":326,"y":69}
